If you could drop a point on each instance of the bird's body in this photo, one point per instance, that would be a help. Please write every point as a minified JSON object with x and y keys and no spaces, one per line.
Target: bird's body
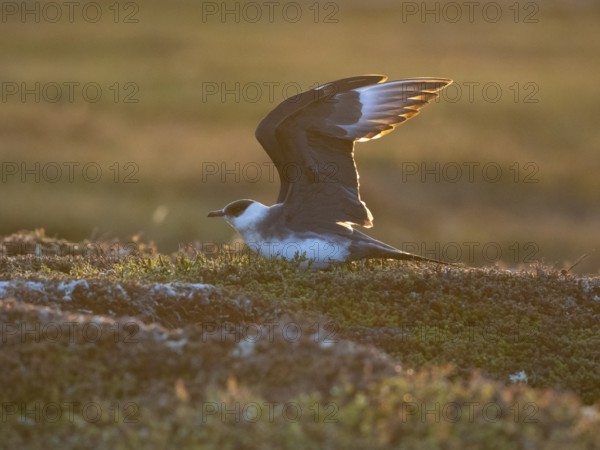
{"x":311,"y":142}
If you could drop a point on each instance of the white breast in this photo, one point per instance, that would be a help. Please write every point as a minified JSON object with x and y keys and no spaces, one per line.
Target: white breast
{"x":321,"y":251}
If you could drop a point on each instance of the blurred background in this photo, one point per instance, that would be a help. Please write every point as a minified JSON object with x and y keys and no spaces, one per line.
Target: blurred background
{"x":125,"y":118}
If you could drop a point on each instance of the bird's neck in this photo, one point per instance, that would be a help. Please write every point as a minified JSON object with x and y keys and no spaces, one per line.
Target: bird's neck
{"x":249,"y":222}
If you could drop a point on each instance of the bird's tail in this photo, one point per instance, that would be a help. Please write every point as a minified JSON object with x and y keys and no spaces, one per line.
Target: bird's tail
{"x":400,"y":255}
{"x":366,"y":247}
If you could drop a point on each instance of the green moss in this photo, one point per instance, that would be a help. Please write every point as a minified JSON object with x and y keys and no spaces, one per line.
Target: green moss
{"x":380,"y":344}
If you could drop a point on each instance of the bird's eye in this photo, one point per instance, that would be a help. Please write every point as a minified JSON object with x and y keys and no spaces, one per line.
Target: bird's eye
{"x":238,"y":208}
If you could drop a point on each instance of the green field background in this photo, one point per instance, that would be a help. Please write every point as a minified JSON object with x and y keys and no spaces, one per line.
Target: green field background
{"x":541,"y":131}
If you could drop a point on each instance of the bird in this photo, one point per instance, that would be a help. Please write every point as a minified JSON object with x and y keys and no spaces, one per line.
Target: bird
{"x":310,"y":139}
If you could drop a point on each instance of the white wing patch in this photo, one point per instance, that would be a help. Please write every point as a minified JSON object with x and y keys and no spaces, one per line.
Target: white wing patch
{"x":385,"y":106}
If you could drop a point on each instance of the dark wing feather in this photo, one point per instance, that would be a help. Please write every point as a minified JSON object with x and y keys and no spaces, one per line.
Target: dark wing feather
{"x":311,"y":141}
{"x":285,"y":159}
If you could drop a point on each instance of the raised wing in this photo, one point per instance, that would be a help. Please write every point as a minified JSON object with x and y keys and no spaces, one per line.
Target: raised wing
{"x":285,"y":159}
{"x":310,"y":139}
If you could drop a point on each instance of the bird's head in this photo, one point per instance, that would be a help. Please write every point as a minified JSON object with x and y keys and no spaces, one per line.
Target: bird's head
{"x":241,"y":214}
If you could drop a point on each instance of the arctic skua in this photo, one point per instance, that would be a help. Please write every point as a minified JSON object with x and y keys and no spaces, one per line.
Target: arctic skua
{"x":310,"y":139}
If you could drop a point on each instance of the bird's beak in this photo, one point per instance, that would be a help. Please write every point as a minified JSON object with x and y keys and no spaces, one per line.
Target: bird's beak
{"x":218,"y":213}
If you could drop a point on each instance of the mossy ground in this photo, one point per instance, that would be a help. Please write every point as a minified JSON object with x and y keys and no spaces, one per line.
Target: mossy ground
{"x":377,"y":354}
